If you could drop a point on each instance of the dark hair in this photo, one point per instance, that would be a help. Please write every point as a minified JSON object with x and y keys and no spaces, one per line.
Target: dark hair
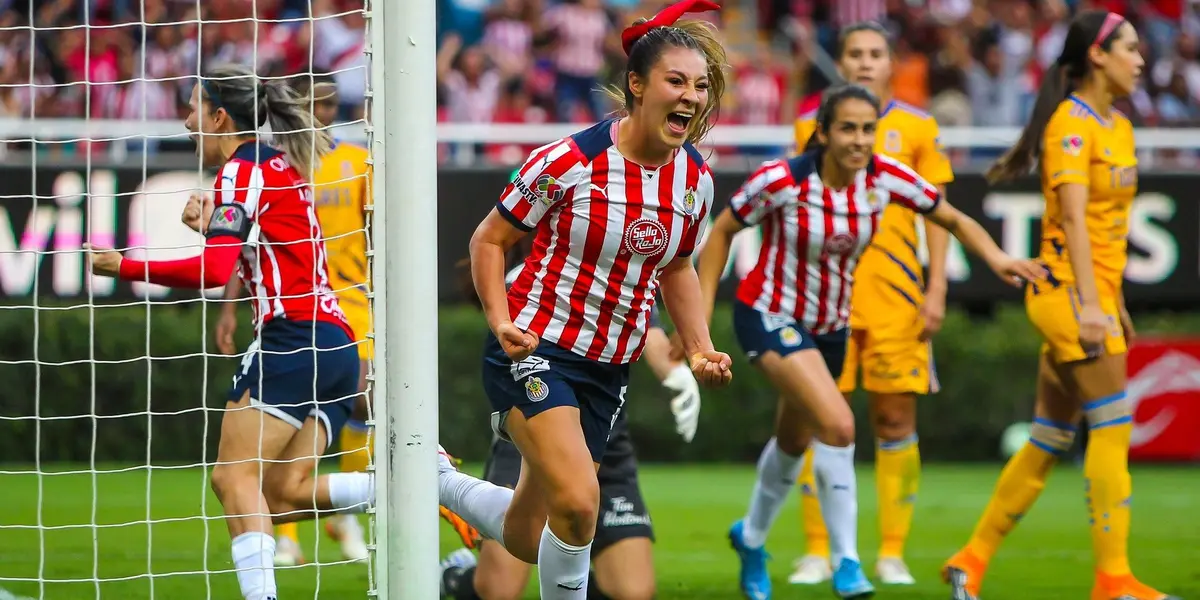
{"x":324,"y":85}
{"x":830,"y":100}
{"x":853,"y":28}
{"x":252,"y":103}
{"x":697,"y":35}
{"x":1059,"y":81}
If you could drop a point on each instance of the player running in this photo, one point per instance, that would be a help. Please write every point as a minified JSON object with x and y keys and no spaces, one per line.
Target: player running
{"x":1089,"y":178}
{"x":818,"y":212}
{"x":616,"y":209}
{"x":893,"y":315}
{"x":622,"y":556}
{"x":301,"y":369}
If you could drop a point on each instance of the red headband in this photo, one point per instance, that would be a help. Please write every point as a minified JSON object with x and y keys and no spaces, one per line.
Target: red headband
{"x":1111,"y":23}
{"x":666,"y":18}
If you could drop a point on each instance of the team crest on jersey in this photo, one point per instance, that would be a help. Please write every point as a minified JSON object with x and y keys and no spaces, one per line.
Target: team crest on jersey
{"x":548,"y":189}
{"x":874,"y":200}
{"x":1073,"y":144}
{"x":839,"y":245}
{"x":536,"y":389}
{"x":689,"y":200}
{"x":347,"y":169}
{"x":891,"y":141}
{"x":789,"y":337}
{"x":646,"y":237}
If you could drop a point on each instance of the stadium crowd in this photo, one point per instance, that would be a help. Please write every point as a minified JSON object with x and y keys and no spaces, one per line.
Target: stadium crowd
{"x":968,"y":62}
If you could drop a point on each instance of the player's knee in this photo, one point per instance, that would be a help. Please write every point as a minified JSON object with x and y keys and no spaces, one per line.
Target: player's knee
{"x":227,"y":479}
{"x":577,"y":506}
{"x":893,"y":426}
{"x":1054,"y":437}
{"x":629,"y":588}
{"x":498,"y":587}
{"x":837,"y":429}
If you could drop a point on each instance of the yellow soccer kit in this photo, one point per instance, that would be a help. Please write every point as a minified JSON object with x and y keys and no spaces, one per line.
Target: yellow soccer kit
{"x":889,"y":282}
{"x":1082,"y":147}
{"x":341,"y":187}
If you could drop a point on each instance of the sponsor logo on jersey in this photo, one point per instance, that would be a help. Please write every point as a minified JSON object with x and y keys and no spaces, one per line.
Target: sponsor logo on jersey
{"x":646,"y":237}
{"x":548,"y":189}
{"x":1072,"y":144}
{"x":839,"y":244}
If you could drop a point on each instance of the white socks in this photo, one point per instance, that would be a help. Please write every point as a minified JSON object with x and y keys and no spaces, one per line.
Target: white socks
{"x":563,"y":568}
{"x":837,"y":488}
{"x":351,"y":492}
{"x":254,"y":559}
{"x":777,"y":473}
{"x":480,"y":503}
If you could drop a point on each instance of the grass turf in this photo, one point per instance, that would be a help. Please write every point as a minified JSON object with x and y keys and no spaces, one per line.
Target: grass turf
{"x":1047,"y":558}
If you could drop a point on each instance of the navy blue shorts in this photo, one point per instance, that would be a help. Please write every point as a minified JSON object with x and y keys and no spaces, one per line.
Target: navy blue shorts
{"x":300,"y":369}
{"x":553,"y":377}
{"x":759,"y":333}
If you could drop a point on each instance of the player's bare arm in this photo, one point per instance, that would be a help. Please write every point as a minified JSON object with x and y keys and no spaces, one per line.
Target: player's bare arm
{"x":1072,"y":199}
{"x":681,"y":294}
{"x":489,"y":245}
{"x":977,"y":241}
{"x":933,"y":310}
{"x":227,"y":323}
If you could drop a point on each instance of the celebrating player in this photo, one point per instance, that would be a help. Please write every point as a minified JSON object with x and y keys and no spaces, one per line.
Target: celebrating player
{"x":622,"y":557}
{"x":616,"y":209}
{"x":340,"y":186}
{"x":300,"y":373}
{"x":893,"y":315}
{"x":1089,"y":179}
{"x":818,"y":213}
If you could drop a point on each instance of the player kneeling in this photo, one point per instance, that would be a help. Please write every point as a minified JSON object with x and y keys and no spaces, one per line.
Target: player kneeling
{"x":300,"y":373}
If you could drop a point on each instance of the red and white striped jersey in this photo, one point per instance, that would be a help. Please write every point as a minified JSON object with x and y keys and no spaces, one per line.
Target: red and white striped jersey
{"x":814,"y":235}
{"x":283,"y":262}
{"x":604,"y":227}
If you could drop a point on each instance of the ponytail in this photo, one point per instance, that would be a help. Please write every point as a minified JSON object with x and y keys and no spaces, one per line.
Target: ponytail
{"x":1022,"y":157}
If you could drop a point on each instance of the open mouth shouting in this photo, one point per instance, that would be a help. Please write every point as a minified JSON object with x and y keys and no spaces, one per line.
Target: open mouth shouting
{"x":677,"y":122}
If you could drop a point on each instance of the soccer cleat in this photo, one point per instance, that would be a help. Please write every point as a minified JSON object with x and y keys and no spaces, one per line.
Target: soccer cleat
{"x":287,"y":552}
{"x":469,"y":535}
{"x":753,"y":578}
{"x":452,"y":566}
{"x":892,"y":571}
{"x":811,"y":569}
{"x":850,"y":582}
{"x":964,"y":573}
{"x":1125,"y":587}
{"x":348,"y":533}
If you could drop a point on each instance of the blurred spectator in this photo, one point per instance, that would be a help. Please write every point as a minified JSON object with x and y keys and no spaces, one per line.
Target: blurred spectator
{"x":470,"y":85}
{"x":992,"y":84}
{"x":580,"y":30}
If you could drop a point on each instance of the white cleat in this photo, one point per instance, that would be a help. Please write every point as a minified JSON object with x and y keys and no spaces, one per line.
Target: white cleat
{"x":893,"y":571}
{"x":348,"y":533}
{"x":287,"y":552}
{"x":811,"y":570}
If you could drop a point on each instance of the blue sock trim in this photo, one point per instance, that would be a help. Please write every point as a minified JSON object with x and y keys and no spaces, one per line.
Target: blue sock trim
{"x":899,"y":444}
{"x":1094,"y":404}
{"x":1112,"y":422}
{"x":357,"y":425}
{"x":1055,"y":424}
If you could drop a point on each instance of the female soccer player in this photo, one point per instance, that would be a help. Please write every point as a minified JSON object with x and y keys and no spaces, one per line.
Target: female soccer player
{"x":893,"y":315}
{"x":301,"y":370}
{"x":1089,"y":179}
{"x":622,"y":556}
{"x":818,"y":213}
{"x":617,"y":209}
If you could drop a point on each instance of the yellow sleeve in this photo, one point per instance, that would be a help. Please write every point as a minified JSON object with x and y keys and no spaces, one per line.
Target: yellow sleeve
{"x":931,"y":162}
{"x":804,"y":130}
{"x":1066,"y":151}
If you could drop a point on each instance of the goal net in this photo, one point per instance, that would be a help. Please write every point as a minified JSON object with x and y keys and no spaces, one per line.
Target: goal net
{"x":114,"y":393}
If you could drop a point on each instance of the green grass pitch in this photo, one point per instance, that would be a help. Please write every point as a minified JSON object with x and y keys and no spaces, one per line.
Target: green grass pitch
{"x":1048,"y":558}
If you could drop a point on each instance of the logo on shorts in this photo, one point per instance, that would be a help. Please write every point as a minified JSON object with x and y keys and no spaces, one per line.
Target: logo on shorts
{"x":646,"y":237}
{"x":839,"y":244}
{"x":623,"y":513}
{"x":789,"y":337}
{"x":536,"y":389}
{"x":529,"y":366}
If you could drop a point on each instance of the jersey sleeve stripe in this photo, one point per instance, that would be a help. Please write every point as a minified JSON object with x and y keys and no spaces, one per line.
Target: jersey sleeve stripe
{"x":512,"y":218}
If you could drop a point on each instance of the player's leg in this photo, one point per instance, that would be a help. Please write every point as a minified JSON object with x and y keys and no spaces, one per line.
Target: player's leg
{"x":354,"y":444}
{"x":624,"y":570}
{"x":622,"y":555}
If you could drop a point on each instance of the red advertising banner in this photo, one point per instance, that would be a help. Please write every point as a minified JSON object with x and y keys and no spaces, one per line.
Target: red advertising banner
{"x":1164,"y":388}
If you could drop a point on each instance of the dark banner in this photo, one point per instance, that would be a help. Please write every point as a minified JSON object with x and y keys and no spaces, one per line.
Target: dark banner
{"x":44,"y":214}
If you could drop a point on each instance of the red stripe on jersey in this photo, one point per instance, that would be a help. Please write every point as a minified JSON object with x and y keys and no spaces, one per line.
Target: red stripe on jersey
{"x":634,"y":206}
{"x":823,"y":264}
{"x":593,"y":247}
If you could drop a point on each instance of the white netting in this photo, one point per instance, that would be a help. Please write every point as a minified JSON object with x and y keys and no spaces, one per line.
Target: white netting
{"x":114,"y":392}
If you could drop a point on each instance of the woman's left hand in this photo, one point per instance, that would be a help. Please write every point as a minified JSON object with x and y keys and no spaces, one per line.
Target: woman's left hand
{"x":104,"y":261}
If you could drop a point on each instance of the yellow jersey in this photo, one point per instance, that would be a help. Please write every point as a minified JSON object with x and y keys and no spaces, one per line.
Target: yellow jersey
{"x":1082,"y":147}
{"x":910,"y":136}
{"x":341,"y":187}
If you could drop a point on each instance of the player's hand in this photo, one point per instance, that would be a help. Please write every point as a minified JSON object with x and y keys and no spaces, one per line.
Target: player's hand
{"x":1016,"y":272}
{"x":1127,"y":326}
{"x":104,"y":262}
{"x":712,"y":368}
{"x":197,"y":211}
{"x":517,"y":344}
{"x":226,"y":328}
{"x":933,"y":312}
{"x":1093,"y":326}
{"x":686,"y":405}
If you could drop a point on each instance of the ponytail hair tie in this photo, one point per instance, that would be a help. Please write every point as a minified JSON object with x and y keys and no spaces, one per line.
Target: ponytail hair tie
{"x":666,"y":18}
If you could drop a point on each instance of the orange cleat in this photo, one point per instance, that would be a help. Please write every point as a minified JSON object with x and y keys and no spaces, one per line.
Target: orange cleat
{"x":1125,"y":587}
{"x":469,"y":535}
{"x":964,"y":572}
